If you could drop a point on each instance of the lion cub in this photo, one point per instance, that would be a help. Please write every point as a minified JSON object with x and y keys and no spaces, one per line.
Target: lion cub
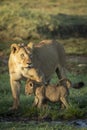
{"x":53,"y":93}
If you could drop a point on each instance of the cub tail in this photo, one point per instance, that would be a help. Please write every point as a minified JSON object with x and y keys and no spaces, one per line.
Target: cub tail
{"x":78,"y":85}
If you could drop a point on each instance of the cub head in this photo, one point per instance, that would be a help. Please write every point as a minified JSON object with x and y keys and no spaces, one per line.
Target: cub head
{"x":32,"y":86}
{"x":22,"y":55}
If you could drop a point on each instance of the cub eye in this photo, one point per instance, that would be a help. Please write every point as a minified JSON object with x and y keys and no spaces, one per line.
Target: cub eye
{"x":31,"y":85}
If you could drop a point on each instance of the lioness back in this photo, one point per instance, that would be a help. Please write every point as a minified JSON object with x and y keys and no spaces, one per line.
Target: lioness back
{"x":48,"y":55}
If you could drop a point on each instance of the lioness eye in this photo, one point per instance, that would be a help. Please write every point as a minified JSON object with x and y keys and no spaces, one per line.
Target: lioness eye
{"x":22,"y":55}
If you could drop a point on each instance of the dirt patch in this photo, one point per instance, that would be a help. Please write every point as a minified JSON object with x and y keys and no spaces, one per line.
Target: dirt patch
{"x":11,"y":118}
{"x":80,"y":59}
{"x":77,"y":64}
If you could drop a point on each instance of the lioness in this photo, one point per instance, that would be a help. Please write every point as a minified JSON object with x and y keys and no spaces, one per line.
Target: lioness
{"x":53,"y":93}
{"x":19,"y":64}
{"x":46,"y":57}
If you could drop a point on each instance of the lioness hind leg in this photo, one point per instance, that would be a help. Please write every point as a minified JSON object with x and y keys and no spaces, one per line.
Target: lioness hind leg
{"x":15,"y":87}
{"x":65,"y":102}
{"x":60,"y":72}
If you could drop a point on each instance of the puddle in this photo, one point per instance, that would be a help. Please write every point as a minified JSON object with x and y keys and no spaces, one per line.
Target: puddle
{"x":78,"y":123}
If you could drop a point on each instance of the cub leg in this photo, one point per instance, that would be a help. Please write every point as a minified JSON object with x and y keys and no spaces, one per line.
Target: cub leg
{"x":15,"y":88}
{"x":62,"y":106}
{"x":65,"y":102}
{"x":40,"y":103}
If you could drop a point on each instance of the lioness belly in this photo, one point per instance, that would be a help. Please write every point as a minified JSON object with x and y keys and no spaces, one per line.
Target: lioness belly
{"x":46,"y":62}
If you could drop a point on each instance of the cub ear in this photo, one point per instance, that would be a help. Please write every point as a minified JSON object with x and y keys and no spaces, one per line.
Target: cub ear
{"x":30,"y":45}
{"x":68,"y":83}
{"x":14,"y":47}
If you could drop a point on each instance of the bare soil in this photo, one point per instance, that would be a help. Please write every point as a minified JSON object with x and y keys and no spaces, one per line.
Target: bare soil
{"x":81,"y":59}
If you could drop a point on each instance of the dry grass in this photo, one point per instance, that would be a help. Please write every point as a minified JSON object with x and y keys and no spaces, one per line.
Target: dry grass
{"x":25,"y":20}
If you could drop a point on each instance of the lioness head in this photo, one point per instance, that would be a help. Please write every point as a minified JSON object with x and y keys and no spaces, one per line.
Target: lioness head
{"x":21,"y":55}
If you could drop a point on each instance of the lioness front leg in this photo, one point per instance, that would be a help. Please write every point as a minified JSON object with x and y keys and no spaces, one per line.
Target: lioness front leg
{"x":40,"y":103}
{"x":35,"y":101}
{"x":15,"y":87}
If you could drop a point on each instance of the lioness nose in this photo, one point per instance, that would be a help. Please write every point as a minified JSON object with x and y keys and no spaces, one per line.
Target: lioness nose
{"x":30,"y":65}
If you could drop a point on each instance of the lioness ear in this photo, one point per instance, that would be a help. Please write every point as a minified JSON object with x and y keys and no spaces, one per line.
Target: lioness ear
{"x":14,"y":47}
{"x":30,"y":45}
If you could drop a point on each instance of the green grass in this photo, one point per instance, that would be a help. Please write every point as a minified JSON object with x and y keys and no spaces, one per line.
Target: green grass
{"x":75,"y":46}
{"x":38,"y":126}
{"x":25,"y":20}
{"x":77,"y":100}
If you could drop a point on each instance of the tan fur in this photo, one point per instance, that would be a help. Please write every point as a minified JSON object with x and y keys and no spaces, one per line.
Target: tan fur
{"x":53,"y":93}
{"x":18,"y":69}
{"x":47,"y":57}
